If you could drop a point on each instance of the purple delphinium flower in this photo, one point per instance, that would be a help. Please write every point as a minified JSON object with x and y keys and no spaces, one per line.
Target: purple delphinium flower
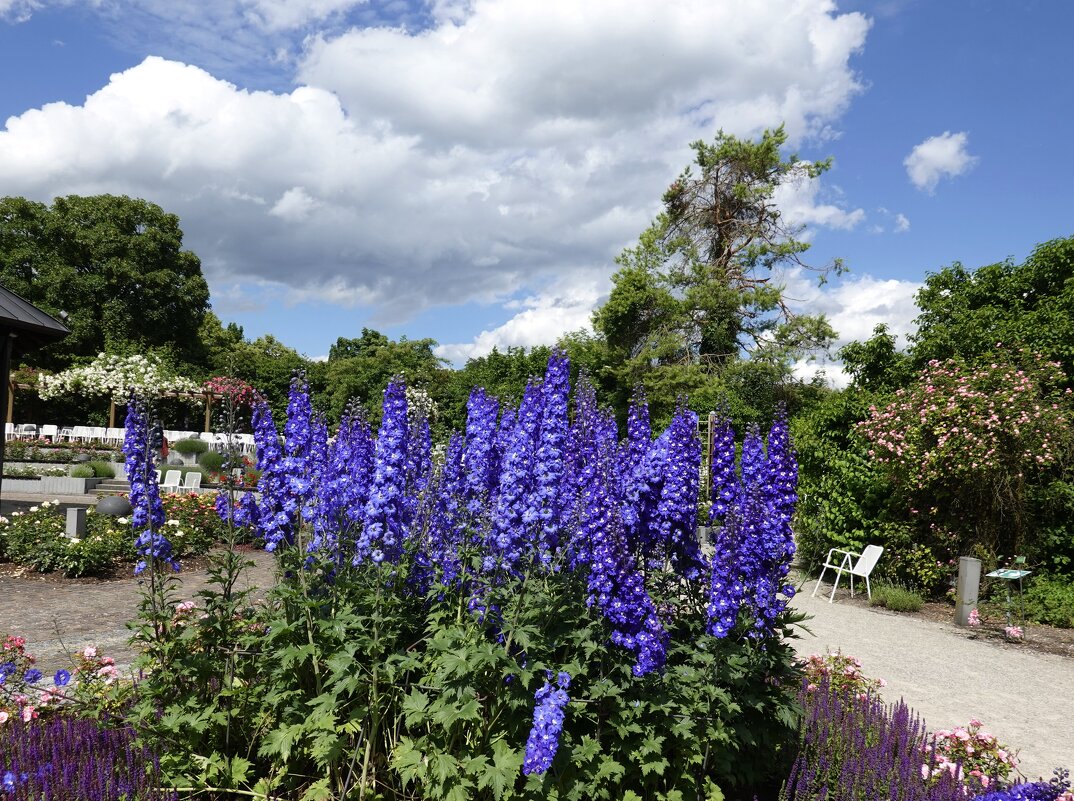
{"x":673,"y":521}
{"x":448,"y":513}
{"x":147,"y":514}
{"x":513,"y":516}
{"x":632,"y":457}
{"x":546,"y":501}
{"x":615,"y":585}
{"x":722,"y":470}
{"x":384,"y":526}
{"x":277,"y":512}
{"x":482,"y":412}
{"x":548,"y":717}
{"x":62,"y":678}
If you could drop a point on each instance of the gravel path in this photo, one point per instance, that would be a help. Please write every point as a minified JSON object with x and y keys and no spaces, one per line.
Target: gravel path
{"x":1024,"y":697}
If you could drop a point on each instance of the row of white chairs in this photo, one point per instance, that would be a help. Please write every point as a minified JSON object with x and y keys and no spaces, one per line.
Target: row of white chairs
{"x":114,"y":436}
{"x":173,"y":481}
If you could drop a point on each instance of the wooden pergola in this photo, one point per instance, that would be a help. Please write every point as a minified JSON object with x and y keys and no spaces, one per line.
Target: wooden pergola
{"x":205,"y":397}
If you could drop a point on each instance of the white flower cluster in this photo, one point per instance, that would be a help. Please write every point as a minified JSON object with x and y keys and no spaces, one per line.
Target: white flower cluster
{"x":115,"y":376}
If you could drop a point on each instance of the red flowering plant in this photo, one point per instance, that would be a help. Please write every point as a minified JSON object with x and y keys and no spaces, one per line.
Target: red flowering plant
{"x":235,"y":390}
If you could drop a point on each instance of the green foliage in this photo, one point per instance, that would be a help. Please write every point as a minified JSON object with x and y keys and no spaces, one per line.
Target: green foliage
{"x":101,"y":469}
{"x":896,"y":598}
{"x":875,"y":364}
{"x":696,"y":288}
{"x":842,"y":495}
{"x":350,"y":685}
{"x":114,"y":264}
{"x":1030,"y":305}
{"x":361,"y":368}
{"x":212,"y":461}
{"x":1050,"y":600}
{"x":82,"y":471}
{"x":189,"y":446}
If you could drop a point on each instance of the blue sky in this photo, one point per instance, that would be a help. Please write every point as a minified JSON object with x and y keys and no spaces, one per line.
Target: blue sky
{"x":467,"y":170}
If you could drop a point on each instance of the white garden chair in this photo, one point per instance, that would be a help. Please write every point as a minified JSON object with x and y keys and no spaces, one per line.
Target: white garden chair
{"x":171,"y":481}
{"x":49,"y":431}
{"x":866,"y":561}
{"x":191,"y":482}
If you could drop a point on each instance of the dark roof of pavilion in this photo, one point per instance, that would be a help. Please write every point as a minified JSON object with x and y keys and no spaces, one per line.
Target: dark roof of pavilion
{"x":33,"y":328}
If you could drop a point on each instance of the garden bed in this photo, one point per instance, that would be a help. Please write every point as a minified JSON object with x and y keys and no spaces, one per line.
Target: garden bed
{"x":1038,"y":637}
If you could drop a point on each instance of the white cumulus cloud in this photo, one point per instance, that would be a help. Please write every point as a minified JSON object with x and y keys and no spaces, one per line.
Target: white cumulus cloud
{"x":542,"y":320}
{"x":943,"y":156}
{"x":854,"y":306}
{"x":491,"y":155}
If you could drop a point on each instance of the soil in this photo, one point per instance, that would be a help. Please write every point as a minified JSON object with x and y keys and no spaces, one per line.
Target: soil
{"x":1037,"y":636}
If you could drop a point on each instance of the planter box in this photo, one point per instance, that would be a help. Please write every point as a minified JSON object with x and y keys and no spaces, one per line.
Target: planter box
{"x":65,"y":485}
{"x":23,"y":485}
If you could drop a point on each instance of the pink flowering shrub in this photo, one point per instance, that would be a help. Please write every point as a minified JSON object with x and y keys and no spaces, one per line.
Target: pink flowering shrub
{"x":963,"y":442}
{"x":973,"y":756}
{"x":843,"y":674}
{"x":26,"y":693}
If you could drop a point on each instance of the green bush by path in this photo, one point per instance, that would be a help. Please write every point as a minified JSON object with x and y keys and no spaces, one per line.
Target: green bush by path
{"x":896,"y":598}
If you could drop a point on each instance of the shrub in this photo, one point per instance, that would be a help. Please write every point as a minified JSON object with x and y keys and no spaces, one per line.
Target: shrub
{"x":896,"y":598}
{"x":102,"y":469}
{"x":840,"y":673}
{"x":82,"y":471}
{"x":212,"y":461}
{"x":189,"y":446}
{"x":971,"y":755}
{"x":1050,"y":600}
{"x":37,"y":538}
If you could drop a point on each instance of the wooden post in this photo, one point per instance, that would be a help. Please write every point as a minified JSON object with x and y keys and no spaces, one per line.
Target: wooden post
{"x":208,"y":408}
{"x":10,"y":401}
{"x":111,"y":414}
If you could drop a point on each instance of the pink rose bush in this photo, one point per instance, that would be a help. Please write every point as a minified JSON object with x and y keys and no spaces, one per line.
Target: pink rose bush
{"x":843,"y":674}
{"x":27,"y":696}
{"x":973,"y":756}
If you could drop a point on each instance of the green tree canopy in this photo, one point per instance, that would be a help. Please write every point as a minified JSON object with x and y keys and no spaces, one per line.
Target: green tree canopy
{"x":1030,"y":305}
{"x":359,"y":369}
{"x":115,"y":266}
{"x":700,"y":286}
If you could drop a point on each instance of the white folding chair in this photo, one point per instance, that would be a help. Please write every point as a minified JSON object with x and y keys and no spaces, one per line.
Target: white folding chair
{"x":26,"y":431}
{"x":9,"y":431}
{"x":171,"y":481}
{"x":49,"y":431}
{"x":191,"y":482}
{"x":866,"y":561}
